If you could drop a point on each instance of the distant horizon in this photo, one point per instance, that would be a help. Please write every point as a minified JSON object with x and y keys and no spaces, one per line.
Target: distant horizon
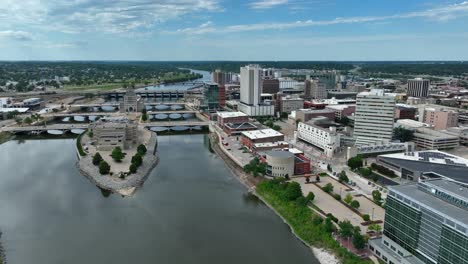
{"x":252,"y":61}
{"x":228,"y":30}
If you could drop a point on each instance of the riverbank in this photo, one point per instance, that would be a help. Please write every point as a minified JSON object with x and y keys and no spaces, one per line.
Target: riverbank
{"x":250,"y":182}
{"x":2,"y":252}
{"x":4,"y":137}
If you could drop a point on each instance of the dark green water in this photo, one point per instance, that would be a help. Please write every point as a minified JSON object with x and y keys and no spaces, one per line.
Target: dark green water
{"x":191,"y":210}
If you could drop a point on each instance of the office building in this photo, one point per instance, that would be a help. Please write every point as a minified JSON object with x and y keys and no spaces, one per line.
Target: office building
{"x":319,"y":133}
{"x":314,"y":89}
{"x":342,"y":110}
{"x":270,"y":86}
{"x":288,"y":104}
{"x":211,"y":96}
{"x":109,"y":133}
{"x":341,"y":94}
{"x":426,"y":138}
{"x":425,"y":223}
{"x":373,"y":119}
{"x":305,"y":115}
{"x":440,"y":118}
{"x":250,"y":92}
{"x":418,"y":87}
{"x":427,"y":164}
{"x":403,"y":111}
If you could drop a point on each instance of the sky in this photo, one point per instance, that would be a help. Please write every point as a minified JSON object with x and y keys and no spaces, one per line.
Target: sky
{"x":273,"y":30}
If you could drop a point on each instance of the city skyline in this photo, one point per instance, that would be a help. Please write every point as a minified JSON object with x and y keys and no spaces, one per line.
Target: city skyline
{"x":233,"y":30}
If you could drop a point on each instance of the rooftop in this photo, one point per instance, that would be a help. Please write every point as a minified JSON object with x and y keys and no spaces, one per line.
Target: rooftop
{"x":264,"y":133}
{"x":446,"y":165}
{"x":409,"y":123}
{"x":280,"y":154}
{"x":20,"y":110}
{"x":340,"y":106}
{"x":433,"y":134}
{"x":230,"y":114}
{"x":270,"y":144}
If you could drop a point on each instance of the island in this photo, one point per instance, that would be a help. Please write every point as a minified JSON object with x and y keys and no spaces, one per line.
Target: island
{"x":117,"y":153}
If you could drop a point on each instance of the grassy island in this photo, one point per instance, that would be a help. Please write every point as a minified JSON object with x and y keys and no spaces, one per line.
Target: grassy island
{"x":306,"y":224}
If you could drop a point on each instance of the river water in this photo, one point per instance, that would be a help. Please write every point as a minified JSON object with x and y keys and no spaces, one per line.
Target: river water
{"x":190,"y":210}
{"x":180,"y":86}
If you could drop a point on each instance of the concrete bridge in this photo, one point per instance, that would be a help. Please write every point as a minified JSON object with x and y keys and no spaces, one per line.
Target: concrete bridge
{"x":16,"y":129}
{"x":176,"y":123}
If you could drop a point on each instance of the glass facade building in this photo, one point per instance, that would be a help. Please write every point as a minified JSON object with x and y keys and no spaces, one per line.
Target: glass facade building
{"x":425,"y":222}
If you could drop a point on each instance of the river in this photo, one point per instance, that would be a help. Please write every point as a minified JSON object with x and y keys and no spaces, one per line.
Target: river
{"x":182,"y":85}
{"x":190,"y":210}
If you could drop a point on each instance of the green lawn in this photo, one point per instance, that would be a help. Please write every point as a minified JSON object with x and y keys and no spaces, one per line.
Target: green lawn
{"x":103,"y":87}
{"x":301,"y":219}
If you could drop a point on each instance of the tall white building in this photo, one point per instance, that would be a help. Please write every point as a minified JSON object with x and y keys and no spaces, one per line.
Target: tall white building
{"x":418,"y":88}
{"x":250,"y":85}
{"x":250,"y":92}
{"x":374,"y":118}
{"x":324,"y":138}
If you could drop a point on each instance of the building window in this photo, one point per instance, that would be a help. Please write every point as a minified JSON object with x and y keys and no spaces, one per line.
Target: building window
{"x":377,"y":253}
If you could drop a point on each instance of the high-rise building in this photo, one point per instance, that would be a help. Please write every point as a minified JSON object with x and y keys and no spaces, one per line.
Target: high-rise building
{"x":221,"y":78}
{"x":251,"y":84}
{"x":374,"y":118}
{"x":211,"y":96}
{"x":250,"y":92}
{"x":418,"y":87}
{"x":425,"y":223}
{"x":271,"y":86}
{"x":315,"y":89}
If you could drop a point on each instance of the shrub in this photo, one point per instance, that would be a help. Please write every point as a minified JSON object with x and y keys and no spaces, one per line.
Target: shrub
{"x":366,"y":217}
{"x":348,"y":198}
{"x":104,"y":167}
{"x":97,"y":158}
{"x":137,"y":160}
{"x":359,"y":241}
{"x":332,"y":217}
{"x":355,"y":162}
{"x":328,"y":188}
{"x":377,"y":197}
{"x":355,"y":204}
{"x":133,"y":168}
{"x":337,"y":196}
{"x":141,"y":149}
{"x":79,"y":146}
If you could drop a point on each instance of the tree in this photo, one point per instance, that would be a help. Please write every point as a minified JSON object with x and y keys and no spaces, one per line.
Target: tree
{"x":366,"y":172}
{"x":343,"y":177}
{"x":141,"y":149}
{"x":403,"y":134}
{"x":355,"y":204}
{"x":117,"y":154}
{"x":104,"y":167}
{"x":144,"y":117}
{"x":366,"y":217}
{"x":355,"y":162}
{"x":310,"y":196}
{"x":348,"y":198}
{"x":359,"y":241}
{"x":276,"y":127}
{"x":328,"y":225}
{"x":293,"y":191}
{"x":284,"y":115}
{"x":133,"y":168}
{"x":137,"y":160}
{"x":346,"y":228}
{"x":377,"y":197}
{"x":28,"y":120}
{"x":18,"y":120}
{"x":328,"y":188}
{"x":97,"y":158}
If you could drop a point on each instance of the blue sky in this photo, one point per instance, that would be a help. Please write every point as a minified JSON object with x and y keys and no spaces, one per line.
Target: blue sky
{"x":233,"y":30}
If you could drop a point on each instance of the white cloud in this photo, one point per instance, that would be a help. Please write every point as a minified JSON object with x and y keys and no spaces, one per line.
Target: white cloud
{"x":73,"y":16}
{"x":265,"y":4}
{"x":442,"y":14}
{"x":16,"y":35}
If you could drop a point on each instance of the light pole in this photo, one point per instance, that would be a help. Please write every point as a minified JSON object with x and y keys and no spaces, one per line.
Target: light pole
{"x":373,"y":213}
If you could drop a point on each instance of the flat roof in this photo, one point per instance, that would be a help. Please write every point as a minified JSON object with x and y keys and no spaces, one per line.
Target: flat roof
{"x":295,"y":151}
{"x":444,"y":164}
{"x":264,"y":133}
{"x":433,"y":134}
{"x":230,"y":114}
{"x":411,"y":123}
{"x":245,"y":125}
{"x":270,"y":144}
{"x":20,"y":110}
{"x":340,"y":106}
{"x":280,"y":153}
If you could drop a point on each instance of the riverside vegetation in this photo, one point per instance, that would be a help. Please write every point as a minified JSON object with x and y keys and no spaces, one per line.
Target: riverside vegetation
{"x":287,"y":199}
